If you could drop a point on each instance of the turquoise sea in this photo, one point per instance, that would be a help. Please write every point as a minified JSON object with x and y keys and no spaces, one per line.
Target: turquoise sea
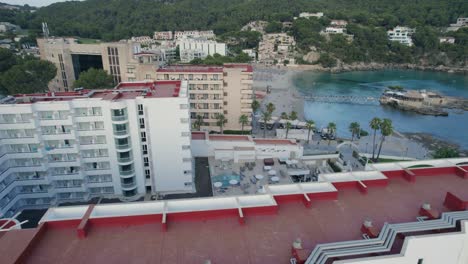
{"x":453,"y":128}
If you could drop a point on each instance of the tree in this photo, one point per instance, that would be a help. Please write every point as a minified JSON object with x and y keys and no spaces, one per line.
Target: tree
{"x":284,"y":115}
{"x":274,"y":27}
{"x":94,"y":79}
{"x":326,"y":60}
{"x":375,"y":125}
{"x":309,"y":125}
{"x":30,"y":76}
{"x":331,"y":130}
{"x":243,"y":120}
{"x":266,"y":116}
{"x":354,"y":128}
{"x":7,"y":59}
{"x":445,"y":152}
{"x":386,"y":129}
{"x":221,"y":121}
{"x":293,"y":115}
{"x":198,"y":122}
{"x":255,"y":105}
{"x":270,"y":107}
{"x":288,"y":126}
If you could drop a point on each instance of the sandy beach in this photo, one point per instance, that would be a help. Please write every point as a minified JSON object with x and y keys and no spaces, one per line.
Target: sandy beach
{"x":286,"y":98}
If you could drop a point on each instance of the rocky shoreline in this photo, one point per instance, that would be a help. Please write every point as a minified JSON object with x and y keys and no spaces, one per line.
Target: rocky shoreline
{"x":432,"y":143}
{"x":383,"y":66}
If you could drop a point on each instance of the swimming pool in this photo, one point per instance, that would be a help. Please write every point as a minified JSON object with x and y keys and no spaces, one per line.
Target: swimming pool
{"x":225,"y":178}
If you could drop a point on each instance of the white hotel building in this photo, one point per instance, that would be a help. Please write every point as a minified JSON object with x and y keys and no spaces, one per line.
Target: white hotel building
{"x":401,"y":35}
{"x":72,"y":146}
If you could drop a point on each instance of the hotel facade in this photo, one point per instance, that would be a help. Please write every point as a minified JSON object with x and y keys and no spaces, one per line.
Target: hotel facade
{"x":74,"y":146}
{"x":215,"y":90}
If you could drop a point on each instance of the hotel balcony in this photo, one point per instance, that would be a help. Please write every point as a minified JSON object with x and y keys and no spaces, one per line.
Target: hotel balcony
{"x":246,"y":110}
{"x":247,"y":81}
{"x":66,"y":176}
{"x":247,"y":100}
{"x":69,"y":188}
{"x":128,"y":186}
{"x":56,"y":121}
{"x":59,"y":136}
{"x":121,"y":133}
{"x":61,"y":149}
{"x":119,"y":118}
{"x":246,"y":91}
{"x":17,"y":124}
{"x":127,"y":173}
{"x":64,"y":163}
{"x":123,"y":148}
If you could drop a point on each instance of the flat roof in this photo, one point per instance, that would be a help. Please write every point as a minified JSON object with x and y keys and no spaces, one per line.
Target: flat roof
{"x":229,"y":137}
{"x":205,"y":68}
{"x":274,"y":141}
{"x":124,"y":90}
{"x":263,"y":239}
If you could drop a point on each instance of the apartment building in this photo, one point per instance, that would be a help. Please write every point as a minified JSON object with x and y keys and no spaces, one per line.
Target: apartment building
{"x":163,"y":35}
{"x":209,"y":34}
{"x":192,"y":48}
{"x":401,"y":35}
{"x":120,"y":59}
{"x":309,"y":15}
{"x":72,"y":146}
{"x":215,"y":90}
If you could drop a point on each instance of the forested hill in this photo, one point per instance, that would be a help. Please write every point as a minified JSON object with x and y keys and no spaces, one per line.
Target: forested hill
{"x":117,"y":19}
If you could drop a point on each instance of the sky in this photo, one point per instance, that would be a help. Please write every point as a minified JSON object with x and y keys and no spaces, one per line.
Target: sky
{"x":32,"y":2}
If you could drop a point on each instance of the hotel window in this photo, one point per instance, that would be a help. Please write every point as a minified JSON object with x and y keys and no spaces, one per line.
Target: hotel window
{"x":140,"y":109}
{"x":204,"y":77}
{"x":190,"y":76}
{"x":148,"y":77}
{"x":216,"y":87}
{"x":143,"y":136}
{"x":205,"y":87}
{"x":225,"y":102}
{"x":142,"y":123}
{"x":181,"y":76}
{"x":145,"y":149}
{"x":146,"y":161}
{"x":215,"y":76}
{"x":147,"y":174}
{"x":191,"y":86}
{"x":225,"y":94}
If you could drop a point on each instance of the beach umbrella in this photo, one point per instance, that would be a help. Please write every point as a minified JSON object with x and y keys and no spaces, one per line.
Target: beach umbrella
{"x":259,"y":176}
{"x":233,"y":182}
{"x":218,"y":184}
{"x":271,"y":172}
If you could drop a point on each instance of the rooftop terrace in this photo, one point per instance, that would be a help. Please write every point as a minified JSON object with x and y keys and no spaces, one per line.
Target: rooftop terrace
{"x":237,"y":229}
{"x":123,"y":91}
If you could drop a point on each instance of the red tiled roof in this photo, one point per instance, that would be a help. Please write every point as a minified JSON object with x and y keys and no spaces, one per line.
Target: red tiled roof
{"x":263,"y":239}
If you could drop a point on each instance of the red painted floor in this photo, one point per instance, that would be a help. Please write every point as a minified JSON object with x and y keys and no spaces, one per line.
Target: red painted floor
{"x":264,"y":239}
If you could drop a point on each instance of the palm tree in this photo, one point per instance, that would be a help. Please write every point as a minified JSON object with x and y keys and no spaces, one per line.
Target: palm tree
{"x":331,"y":130}
{"x":198,"y":122}
{"x":270,"y":107}
{"x":284,"y":115}
{"x":309,"y":125}
{"x":354,"y":128}
{"x":375,"y":125}
{"x":288,"y":126}
{"x":293,"y":115}
{"x":221,"y":122}
{"x":386,"y":129}
{"x":255,"y":105}
{"x":243,"y":120}
{"x":266,"y":116}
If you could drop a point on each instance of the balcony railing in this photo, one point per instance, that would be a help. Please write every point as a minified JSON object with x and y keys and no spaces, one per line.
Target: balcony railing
{"x":119,"y":118}
{"x":123,"y":160}
{"x":121,"y":132}
{"x":126,"y":173}
{"x":124,"y":146}
{"x":128,"y":185}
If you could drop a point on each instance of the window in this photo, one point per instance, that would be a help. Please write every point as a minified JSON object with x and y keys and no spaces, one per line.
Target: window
{"x":215,"y":86}
{"x":420,"y":261}
{"x":191,"y":86}
{"x":145,"y":149}
{"x":225,"y":94}
{"x":148,"y":77}
{"x":143,"y":136}
{"x":181,"y":76}
{"x":142,"y":123}
{"x":187,"y":183}
{"x":204,"y":77}
{"x":205,"y":87}
{"x":147,"y":173}
{"x":225,"y":112}
{"x":146,"y":161}
{"x":140,"y":109}
{"x":190,"y":76}
{"x":215,"y":77}
{"x":225,"y":102}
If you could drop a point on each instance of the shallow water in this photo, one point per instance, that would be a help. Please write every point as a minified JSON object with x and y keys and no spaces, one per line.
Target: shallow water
{"x":453,"y":128}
